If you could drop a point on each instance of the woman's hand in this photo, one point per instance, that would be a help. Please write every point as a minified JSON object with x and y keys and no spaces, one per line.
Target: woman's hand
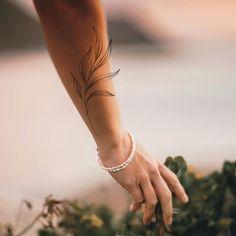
{"x":146,"y":179}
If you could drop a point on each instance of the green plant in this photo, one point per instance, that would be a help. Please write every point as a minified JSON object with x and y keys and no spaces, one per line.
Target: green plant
{"x":211,"y":211}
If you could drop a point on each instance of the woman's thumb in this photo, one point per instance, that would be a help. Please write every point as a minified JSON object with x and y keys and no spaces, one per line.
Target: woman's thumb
{"x":131,"y":207}
{"x":134,"y":206}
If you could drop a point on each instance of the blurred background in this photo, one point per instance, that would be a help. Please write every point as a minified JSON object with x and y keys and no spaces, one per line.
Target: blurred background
{"x":176,"y":91}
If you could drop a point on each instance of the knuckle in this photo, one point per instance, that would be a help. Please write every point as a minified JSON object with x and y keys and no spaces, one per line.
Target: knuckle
{"x":175,"y":180}
{"x":152,"y":170}
{"x":143,"y":177}
{"x":130,"y":187}
{"x":161,"y":166}
{"x":167,"y":196}
{"x":152,"y":203}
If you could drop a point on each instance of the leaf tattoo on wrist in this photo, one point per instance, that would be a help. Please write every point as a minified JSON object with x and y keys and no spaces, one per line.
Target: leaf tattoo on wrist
{"x":94,"y":58}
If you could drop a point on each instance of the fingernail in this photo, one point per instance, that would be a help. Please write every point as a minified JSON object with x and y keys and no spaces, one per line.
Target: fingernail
{"x":131,"y":208}
{"x":186,"y":199}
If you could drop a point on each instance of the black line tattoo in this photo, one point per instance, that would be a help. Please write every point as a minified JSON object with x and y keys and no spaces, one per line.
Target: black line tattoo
{"x":90,"y":63}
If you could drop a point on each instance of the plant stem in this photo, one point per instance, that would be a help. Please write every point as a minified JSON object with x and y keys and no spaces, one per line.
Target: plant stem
{"x":29,"y":226}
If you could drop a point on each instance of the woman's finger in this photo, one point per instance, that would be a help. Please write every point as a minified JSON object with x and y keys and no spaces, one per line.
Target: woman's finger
{"x":164,"y":195}
{"x":173,"y":183}
{"x":138,"y":199}
{"x":150,"y":200}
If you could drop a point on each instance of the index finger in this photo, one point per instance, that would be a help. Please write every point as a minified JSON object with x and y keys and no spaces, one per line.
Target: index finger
{"x":173,"y":183}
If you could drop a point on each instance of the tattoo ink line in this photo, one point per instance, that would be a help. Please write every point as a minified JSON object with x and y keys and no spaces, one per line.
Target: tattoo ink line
{"x":90,"y":63}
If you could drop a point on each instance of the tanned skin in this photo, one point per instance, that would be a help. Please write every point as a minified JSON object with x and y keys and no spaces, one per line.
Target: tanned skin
{"x":76,"y":37}
{"x":92,"y":61}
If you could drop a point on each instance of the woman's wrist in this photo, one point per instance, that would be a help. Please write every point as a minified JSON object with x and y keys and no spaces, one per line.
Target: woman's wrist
{"x":110,"y":138}
{"x":122,"y":165}
{"x":115,"y":149}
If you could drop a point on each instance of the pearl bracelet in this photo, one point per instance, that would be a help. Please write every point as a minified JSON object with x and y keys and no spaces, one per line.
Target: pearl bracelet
{"x":125,"y":163}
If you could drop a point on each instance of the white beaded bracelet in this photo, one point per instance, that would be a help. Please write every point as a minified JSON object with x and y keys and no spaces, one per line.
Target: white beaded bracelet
{"x":125,"y":163}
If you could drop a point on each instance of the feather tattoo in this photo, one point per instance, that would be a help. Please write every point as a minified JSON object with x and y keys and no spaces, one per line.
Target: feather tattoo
{"x":94,"y":58}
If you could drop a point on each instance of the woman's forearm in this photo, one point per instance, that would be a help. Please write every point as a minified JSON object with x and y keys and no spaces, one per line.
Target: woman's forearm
{"x":76,"y":37}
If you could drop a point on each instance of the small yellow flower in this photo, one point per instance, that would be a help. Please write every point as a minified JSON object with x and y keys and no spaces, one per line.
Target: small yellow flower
{"x":225,"y":221}
{"x":193,"y":170}
{"x":94,"y":220}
